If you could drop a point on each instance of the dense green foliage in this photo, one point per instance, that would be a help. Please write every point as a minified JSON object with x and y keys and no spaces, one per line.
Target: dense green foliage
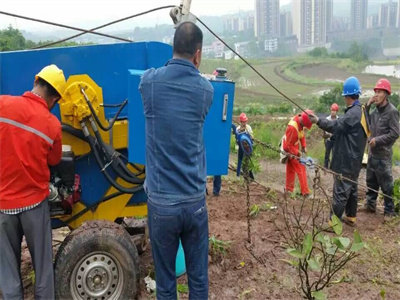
{"x":324,"y":102}
{"x":11,"y":39}
{"x":355,"y":52}
{"x":259,"y":109}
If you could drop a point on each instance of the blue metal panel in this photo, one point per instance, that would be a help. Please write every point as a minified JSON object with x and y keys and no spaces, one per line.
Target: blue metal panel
{"x":107,"y":65}
{"x":136,"y":152}
{"x":216,"y":130}
{"x":94,"y":184}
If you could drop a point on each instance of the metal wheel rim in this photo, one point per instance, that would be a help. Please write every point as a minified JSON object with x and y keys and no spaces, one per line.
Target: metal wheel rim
{"x":97,"y":276}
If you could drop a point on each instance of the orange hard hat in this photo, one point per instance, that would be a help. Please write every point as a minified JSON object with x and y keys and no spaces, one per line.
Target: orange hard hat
{"x":335,"y":107}
{"x":306,"y":120}
{"x":243,"y":117}
{"x":383,"y":84}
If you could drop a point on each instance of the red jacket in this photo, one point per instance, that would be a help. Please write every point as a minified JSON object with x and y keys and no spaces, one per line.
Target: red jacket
{"x":30,"y":140}
{"x":294,"y":136}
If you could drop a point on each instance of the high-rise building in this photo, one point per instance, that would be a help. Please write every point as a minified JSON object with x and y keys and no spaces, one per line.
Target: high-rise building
{"x":383,"y":15}
{"x":239,"y":22}
{"x":359,"y":14}
{"x":266,"y":23}
{"x":286,"y":24}
{"x":388,"y":12}
{"x":398,"y":14}
{"x":372,"y":21}
{"x":310,"y":21}
{"x":329,"y":15}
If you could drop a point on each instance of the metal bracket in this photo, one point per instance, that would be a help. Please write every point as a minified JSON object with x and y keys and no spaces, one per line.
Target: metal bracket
{"x":181,"y":13}
{"x":225,"y":107}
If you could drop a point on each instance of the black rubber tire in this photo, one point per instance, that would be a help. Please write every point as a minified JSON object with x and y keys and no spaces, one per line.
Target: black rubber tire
{"x":93,"y":237}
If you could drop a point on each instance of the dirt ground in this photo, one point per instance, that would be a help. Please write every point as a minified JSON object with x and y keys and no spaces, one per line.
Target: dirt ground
{"x":239,"y":275}
{"x":328,"y":72}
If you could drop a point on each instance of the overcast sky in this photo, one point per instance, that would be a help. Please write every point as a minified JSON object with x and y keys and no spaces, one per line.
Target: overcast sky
{"x":86,"y":13}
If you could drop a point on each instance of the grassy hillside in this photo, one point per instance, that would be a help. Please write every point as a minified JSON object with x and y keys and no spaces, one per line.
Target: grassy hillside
{"x":303,"y":79}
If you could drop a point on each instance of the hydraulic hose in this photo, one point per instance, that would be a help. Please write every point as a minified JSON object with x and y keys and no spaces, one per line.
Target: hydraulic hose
{"x":113,"y":119}
{"x":73,"y":131}
{"x":112,"y":157}
{"x":92,"y":142}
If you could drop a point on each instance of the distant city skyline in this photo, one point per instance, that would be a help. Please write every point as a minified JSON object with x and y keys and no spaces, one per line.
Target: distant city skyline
{"x":90,"y":14}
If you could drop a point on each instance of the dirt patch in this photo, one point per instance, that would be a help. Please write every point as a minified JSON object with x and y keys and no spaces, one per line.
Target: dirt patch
{"x":328,"y":72}
{"x":260,"y":274}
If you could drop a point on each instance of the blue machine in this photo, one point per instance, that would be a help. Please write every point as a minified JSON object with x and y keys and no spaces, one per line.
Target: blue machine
{"x":117,"y":68}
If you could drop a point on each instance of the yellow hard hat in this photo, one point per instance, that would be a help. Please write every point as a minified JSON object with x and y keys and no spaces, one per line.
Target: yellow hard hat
{"x":53,"y":76}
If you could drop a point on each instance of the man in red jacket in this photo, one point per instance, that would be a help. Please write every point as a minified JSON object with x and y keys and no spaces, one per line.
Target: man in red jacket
{"x":30,"y":141}
{"x":294,"y":138}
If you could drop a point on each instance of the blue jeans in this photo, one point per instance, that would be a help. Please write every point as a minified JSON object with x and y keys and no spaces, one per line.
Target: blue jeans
{"x":168,"y":223}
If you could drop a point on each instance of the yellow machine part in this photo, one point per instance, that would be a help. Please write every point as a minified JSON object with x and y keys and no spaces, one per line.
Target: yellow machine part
{"x":73,"y":108}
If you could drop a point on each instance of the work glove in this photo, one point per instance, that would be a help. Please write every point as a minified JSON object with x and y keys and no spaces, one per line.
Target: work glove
{"x":313,"y":118}
{"x":306,"y":161}
{"x":302,"y":160}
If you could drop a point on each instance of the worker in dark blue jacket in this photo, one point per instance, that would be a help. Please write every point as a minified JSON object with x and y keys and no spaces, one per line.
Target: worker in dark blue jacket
{"x":348,"y":151}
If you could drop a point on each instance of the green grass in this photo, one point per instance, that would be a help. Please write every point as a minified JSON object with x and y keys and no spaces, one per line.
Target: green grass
{"x":256,"y":97}
{"x":270,"y":133}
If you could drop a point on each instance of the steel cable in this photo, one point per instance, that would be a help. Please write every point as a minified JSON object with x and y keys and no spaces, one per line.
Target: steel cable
{"x":250,"y":66}
{"x":84,"y":31}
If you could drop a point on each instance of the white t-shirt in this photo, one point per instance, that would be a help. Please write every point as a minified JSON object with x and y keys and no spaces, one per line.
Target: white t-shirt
{"x":248,"y":130}
{"x":328,"y":133}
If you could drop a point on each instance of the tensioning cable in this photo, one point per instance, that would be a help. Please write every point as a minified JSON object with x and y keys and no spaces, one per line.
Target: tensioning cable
{"x":84,"y":31}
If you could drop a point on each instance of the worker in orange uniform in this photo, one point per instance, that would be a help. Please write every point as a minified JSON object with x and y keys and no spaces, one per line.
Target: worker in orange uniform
{"x":30,"y":141}
{"x":294,"y":138}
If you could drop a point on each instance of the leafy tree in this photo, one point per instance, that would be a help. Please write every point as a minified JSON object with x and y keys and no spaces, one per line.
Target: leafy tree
{"x":334,"y":95}
{"x":318,"y":52}
{"x":11,"y":39}
{"x":356,"y":53}
{"x":395,"y":99}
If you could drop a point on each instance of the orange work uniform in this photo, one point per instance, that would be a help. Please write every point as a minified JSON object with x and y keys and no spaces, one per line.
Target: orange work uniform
{"x":30,"y":140}
{"x":294,"y":136}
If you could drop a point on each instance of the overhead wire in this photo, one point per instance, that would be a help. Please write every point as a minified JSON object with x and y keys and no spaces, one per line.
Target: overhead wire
{"x":250,"y":66}
{"x":63,"y":26}
{"x":84,"y":31}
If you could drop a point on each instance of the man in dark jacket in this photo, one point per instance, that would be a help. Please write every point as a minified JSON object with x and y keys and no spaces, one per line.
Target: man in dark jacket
{"x":384,"y":124}
{"x":348,"y":151}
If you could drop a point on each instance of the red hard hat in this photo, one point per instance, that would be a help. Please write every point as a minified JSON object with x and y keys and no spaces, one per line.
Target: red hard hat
{"x":243,"y":117}
{"x":383,"y":84}
{"x":335,"y":107}
{"x":306,"y":120}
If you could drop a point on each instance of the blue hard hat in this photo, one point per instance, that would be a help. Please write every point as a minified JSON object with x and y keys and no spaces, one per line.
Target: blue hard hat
{"x":351,"y":87}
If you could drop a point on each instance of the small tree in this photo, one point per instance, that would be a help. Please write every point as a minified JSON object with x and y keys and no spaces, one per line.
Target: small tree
{"x":316,"y":252}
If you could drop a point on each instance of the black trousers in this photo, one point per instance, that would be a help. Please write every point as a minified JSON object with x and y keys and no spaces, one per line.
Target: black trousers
{"x":328,"y":149}
{"x":35,"y":224}
{"x":345,"y":197}
{"x":379,"y":175}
